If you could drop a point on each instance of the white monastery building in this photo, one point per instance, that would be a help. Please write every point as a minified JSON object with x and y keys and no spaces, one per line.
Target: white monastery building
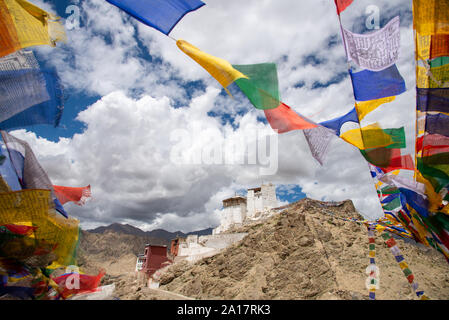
{"x":257,"y":204}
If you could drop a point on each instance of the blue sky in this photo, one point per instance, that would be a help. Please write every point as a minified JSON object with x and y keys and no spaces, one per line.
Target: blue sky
{"x":131,"y":91}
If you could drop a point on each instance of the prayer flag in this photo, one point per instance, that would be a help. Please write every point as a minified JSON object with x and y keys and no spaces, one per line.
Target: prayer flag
{"x":261,"y":86}
{"x":376,"y":50}
{"x":284,"y":119}
{"x":76,"y":195}
{"x":365,"y":107}
{"x":337,"y":123}
{"x":371,"y":85}
{"x":342,"y":5}
{"x":431,"y":16}
{"x":218,"y":68}
{"x":163,"y":15}
{"x":22,"y":25}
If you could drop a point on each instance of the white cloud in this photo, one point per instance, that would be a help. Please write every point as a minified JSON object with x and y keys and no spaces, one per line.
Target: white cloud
{"x":124,"y":153}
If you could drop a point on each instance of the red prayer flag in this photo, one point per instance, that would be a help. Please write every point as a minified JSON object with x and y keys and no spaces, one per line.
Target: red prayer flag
{"x":284,"y":119}
{"x":342,"y":5}
{"x":76,"y":195}
{"x":439,"y":46}
{"x":403,"y":162}
{"x":84,"y":283}
{"x":19,"y":229}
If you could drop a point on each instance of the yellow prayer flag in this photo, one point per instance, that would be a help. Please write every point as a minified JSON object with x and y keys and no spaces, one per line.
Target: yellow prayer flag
{"x":35,"y":207}
{"x":368,"y":137}
{"x":365,"y":107}
{"x":436,"y":77}
{"x":431,"y":16}
{"x":219,"y":68}
{"x":423,"y":46}
{"x":22,"y":25}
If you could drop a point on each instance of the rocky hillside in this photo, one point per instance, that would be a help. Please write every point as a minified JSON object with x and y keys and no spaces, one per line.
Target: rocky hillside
{"x":306,"y":252}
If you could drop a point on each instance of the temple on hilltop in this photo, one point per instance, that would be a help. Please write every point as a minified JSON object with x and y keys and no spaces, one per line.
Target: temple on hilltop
{"x":257,"y":204}
{"x":153,"y":259}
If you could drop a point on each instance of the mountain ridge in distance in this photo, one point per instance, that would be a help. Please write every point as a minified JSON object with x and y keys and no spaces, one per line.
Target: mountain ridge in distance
{"x":157,"y":233}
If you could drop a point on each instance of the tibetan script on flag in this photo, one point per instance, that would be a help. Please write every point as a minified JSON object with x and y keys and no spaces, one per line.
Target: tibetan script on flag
{"x":377,"y":50}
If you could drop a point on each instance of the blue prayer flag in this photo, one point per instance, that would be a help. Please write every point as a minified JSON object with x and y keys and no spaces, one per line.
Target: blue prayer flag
{"x":162,"y":15}
{"x":416,"y":201}
{"x":437,"y":124}
{"x":390,"y":198}
{"x":371,"y":85}
{"x":435,"y":99}
{"x":47,"y":112}
{"x":337,"y":123}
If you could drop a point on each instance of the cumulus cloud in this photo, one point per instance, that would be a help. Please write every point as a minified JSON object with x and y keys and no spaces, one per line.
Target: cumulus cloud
{"x":137,"y":147}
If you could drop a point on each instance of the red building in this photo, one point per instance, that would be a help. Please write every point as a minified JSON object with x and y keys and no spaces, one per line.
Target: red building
{"x":155,"y":258}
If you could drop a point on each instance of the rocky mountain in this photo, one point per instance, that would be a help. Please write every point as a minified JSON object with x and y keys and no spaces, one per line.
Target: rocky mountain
{"x":306,"y":251}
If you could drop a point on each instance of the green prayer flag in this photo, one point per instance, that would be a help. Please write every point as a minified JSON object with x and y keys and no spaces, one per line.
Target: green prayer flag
{"x":262,"y":87}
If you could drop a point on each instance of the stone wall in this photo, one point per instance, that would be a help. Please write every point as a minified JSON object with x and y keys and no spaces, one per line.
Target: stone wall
{"x":206,"y":246}
{"x":220,"y":241}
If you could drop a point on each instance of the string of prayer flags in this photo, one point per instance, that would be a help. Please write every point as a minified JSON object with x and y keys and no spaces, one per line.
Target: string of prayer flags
{"x":365,"y":107}
{"x":342,"y":5}
{"x":218,"y":68}
{"x":380,"y":82}
{"x":429,"y":212}
{"x":431,"y":17}
{"x":162,"y":15}
{"x":75,"y":195}
{"x":376,"y":50}
{"x":22,"y":25}
{"x":372,"y":281}
{"x":372,"y":85}
{"x":261,"y":85}
{"x":337,"y":123}
{"x":398,"y":256}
